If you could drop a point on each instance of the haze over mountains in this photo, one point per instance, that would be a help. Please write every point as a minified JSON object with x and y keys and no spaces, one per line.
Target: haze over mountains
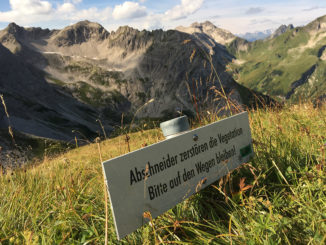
{"x":266,"y":34}
{"x":258,"y":35}
{"x":56,"y":81}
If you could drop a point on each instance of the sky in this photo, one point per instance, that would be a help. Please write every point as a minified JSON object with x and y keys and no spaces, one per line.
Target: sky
{"x":237,"y":16}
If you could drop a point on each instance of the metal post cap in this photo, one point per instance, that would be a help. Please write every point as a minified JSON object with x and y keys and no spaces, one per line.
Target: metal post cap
{"x":175,"y":126}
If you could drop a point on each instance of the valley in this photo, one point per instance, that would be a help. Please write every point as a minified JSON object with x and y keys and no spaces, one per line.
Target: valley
{"x":83,"y":73}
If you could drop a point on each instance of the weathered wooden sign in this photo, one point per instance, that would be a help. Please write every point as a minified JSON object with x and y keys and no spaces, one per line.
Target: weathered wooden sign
{"x":158,"y":177}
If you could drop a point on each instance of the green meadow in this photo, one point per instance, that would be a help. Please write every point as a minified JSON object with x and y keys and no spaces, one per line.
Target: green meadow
{"x":279,"y":197}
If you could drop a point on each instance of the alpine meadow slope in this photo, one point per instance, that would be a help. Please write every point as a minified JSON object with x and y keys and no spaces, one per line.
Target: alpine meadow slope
{"x":277,"y":196}
{"x":290,"y":66}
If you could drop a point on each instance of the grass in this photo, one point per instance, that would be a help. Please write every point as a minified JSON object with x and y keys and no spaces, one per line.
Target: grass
{"x":271,"y":66}
{"x":56,"y":81}
{"x":278,"y":197}
{"x":96,"y":74}
{"x":95,"y":96}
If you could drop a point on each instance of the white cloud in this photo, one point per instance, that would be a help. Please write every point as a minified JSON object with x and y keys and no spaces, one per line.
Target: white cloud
{"x":68,"y":11}
{"x":91,"y":14}
{"x":29,"y":12}
{"x":187,"y":7}
{"x":150,"y":22}
{"x":230,"y":15}
{"x":313,"y":8}
{"x":129,"y":10}
{"x":66,"y":8}
{"x":31,"y":6}
{"x":256,"y":10}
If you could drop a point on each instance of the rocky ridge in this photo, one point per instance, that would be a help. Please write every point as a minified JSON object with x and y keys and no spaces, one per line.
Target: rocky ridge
{"x":282,"y":29}
{"x":56,"y":81}
{"x":219,"y":35}
{"x":35,"y":106}
{"x":79,"y":33}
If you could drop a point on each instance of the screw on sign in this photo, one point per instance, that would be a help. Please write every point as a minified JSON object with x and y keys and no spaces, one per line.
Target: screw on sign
{"x":155,"y":178}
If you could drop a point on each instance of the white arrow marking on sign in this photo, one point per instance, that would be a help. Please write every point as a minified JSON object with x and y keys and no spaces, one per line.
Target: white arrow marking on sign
{"x":156,"y":178}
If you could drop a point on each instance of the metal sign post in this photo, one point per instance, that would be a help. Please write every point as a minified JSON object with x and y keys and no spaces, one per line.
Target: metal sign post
{"x":156,"y":178}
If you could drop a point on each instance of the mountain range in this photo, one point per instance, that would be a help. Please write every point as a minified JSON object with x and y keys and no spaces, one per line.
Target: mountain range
{"x":59,"y":82}
{"x":56,"y":83}
{"x":266,"y":34}
{"x":257,"y":35}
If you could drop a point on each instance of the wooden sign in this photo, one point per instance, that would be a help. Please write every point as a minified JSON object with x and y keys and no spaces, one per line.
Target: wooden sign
{"x":156,"y":178}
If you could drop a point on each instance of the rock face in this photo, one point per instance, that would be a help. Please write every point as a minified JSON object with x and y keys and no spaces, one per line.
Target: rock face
{"x":37,"y":107}
{"x":79,"y":33}
{"x":282,"y":29}
{"x":55,"y":81}
{"x":219,"y":35}
{"x":211,"y":38}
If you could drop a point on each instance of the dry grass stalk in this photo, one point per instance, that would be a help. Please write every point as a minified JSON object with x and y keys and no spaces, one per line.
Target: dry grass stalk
{"x":7,"y":114}
{"x":148,"y":215}
{"x":103,"y":130}
{"x":105,"y":194}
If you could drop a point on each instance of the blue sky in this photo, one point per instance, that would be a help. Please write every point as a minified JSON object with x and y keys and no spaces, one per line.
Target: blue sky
{"x":237,"y":16}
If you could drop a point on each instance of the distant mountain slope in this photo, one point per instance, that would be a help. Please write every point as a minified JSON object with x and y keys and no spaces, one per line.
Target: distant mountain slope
{"x":258,"y":35}
{"x":210,"y":36}
{"x":38,"y":108}
{"x":261,"y":35}
{"x":289,"y":66}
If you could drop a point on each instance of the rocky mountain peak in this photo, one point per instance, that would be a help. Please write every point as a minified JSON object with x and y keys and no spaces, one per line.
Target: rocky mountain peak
{"x":129,"y":39}
{"x":125,"y":30}
{"x":206,"y":24}
{"x":80,"y":32}
{"x":14,"y":29}
{"x":218,"y":34}
{"x":290,"y":26}
{"x":17,"y":32}
{"x":86,"y":24}
{"x":9,"y":37}
{"x":282,"y":29}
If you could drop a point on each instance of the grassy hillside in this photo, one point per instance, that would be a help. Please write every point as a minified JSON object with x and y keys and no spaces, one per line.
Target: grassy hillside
{"x":290,"y":66}
{"x":278,"y":197}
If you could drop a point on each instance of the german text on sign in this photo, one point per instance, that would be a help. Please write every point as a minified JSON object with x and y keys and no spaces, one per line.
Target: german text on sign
{"x":156,"y":178}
